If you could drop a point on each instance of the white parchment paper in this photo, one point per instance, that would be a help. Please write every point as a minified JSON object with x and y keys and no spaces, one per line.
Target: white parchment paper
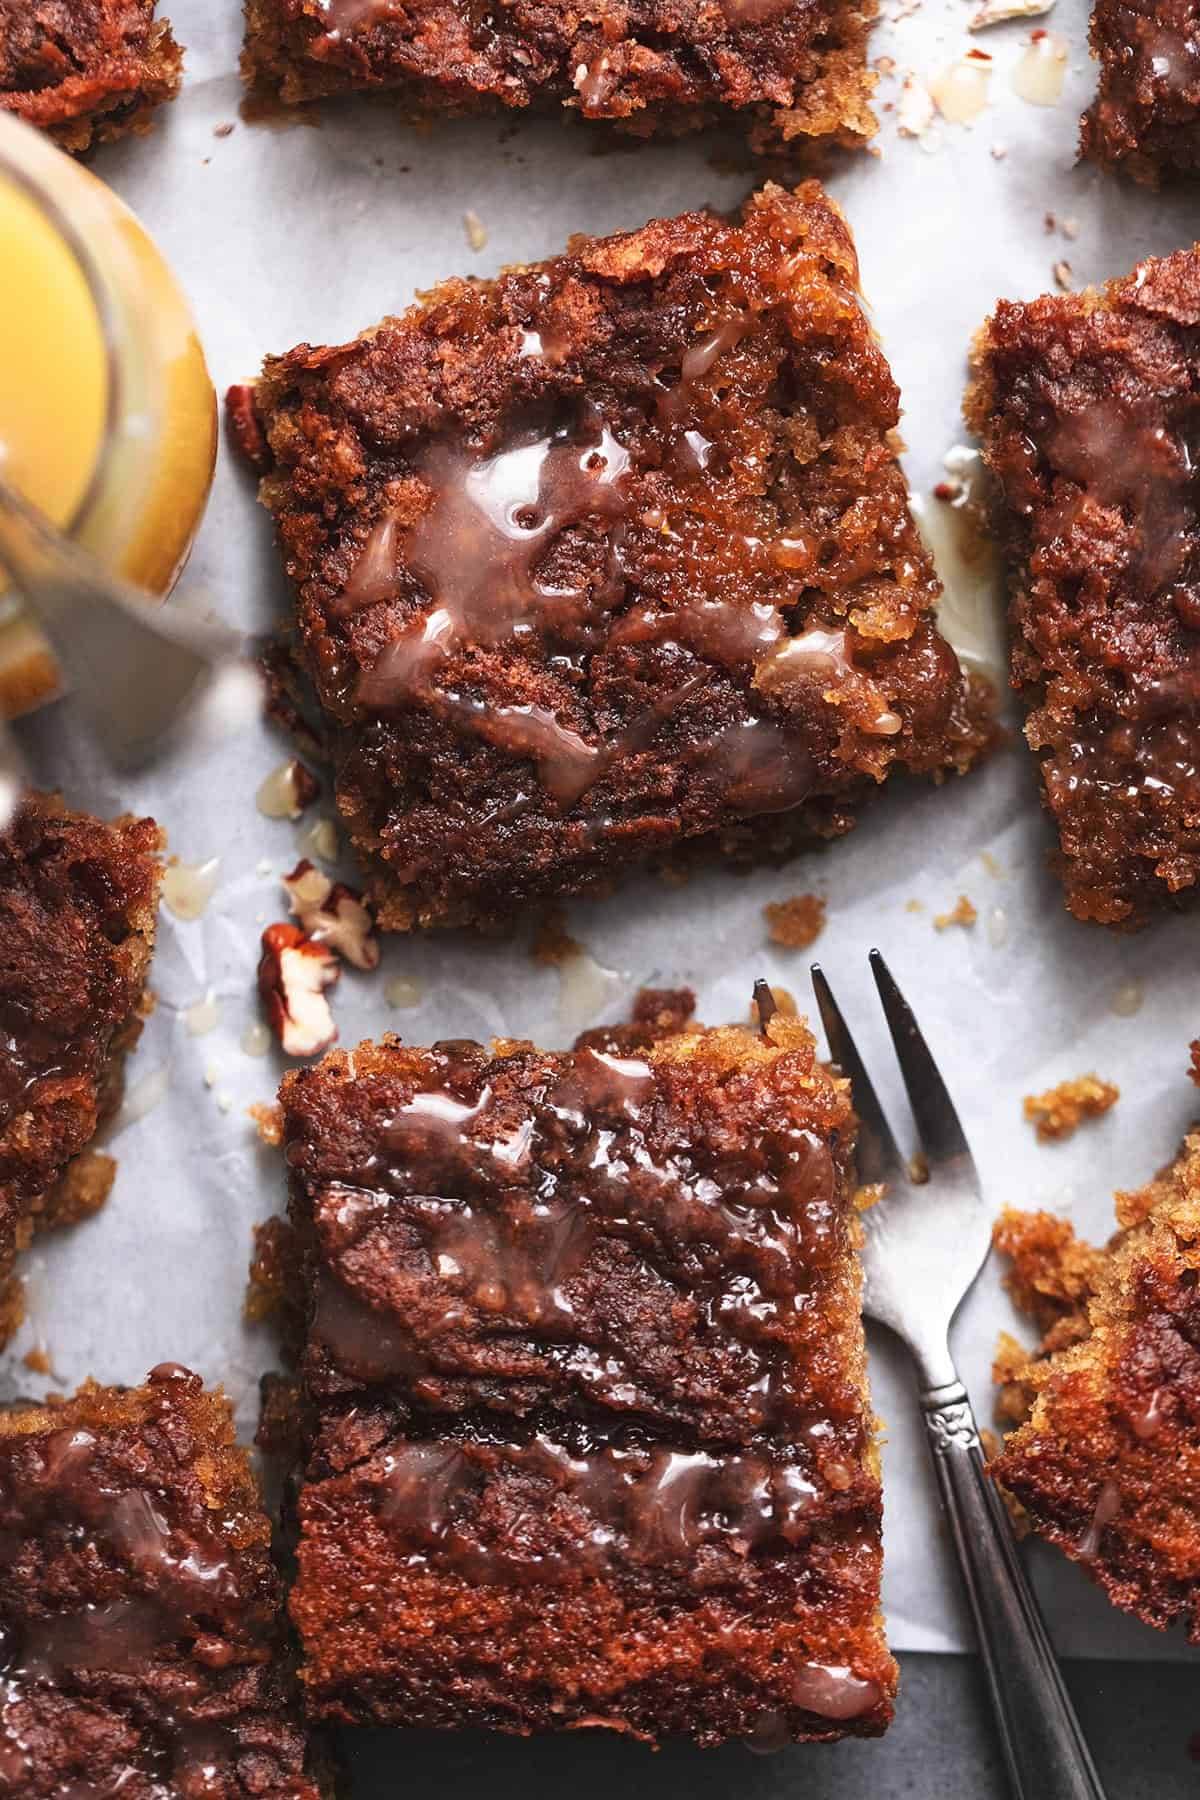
{"x":282,"y":234}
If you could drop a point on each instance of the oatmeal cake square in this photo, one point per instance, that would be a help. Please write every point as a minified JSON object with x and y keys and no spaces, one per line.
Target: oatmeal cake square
{"x":608,"y":556}
{"x":793,"y":71}
{"x":86,"y":70}
{"x":1105,"y":1458}
{"x":78,"y":909}
{"x":1088,"y":409}
{"x":141,"y":1619}
{"x":1145,"y":120}
{"x":589,"y":1438}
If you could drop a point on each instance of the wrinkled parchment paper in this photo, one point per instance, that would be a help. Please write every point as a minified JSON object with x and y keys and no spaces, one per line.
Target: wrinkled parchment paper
{"x":282,"y":234}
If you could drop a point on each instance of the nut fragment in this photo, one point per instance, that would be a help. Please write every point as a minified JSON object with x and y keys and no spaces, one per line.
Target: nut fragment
{"x":245,"y":427}
{"x":998,"y":12}
{"x":916,"y":110}
{"x":293,"y":974}
{"x":332,"y":913}
{"x":287,"y":791}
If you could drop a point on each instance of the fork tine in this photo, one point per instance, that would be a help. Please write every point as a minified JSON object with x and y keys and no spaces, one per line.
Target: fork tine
{"x":879,"y":1158}
{"x":940,"y":1134}
{"x":764,"y":1004}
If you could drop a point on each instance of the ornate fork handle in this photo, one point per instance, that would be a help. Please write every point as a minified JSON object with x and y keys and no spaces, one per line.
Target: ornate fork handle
{"x":1044,"y":1748}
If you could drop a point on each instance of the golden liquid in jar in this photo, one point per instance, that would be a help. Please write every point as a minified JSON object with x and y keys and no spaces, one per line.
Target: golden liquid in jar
{"x":107,"y":423}
{"x":54,"y":378}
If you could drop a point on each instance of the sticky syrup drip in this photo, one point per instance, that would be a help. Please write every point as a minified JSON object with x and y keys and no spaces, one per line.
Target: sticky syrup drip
{"x":343,"y":17}
{"x":1108,"y":1505}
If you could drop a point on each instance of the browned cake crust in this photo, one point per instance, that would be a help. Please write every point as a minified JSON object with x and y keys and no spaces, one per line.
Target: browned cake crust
{"x":1107,"y":1463}
{"x":86,"y":69}
{"x":590,"y":1439}
{"x":1086,"y":404}
{"x":609,"y":555}
{"x":1145,"y":119}
{"x":794,"y":71}
{"x":140,"y":1613}
{"x":78,"y":907}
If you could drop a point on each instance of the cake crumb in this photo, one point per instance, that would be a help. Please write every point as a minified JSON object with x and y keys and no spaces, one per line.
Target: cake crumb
{"x":1063,"y":275}
{"x":37,"y":1360}
{"x":554,"y":944}
{"x":1059,"y":1112}
{"x":914,"y":906}
{"x":797,"y":922}
{"x":475,"y":229}
{"x":274,"y":1275}
{"x":963,"y":913}
{"x":269,"y":1121}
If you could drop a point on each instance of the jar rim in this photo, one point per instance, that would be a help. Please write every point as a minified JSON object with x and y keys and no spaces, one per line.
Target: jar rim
{"x":26,"y":160}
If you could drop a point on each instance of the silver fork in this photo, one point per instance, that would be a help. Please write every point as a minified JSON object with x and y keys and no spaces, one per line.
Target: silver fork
{"x":926,"y":1242}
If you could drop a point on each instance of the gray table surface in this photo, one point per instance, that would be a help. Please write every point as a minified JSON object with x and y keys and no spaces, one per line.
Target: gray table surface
{"x":1139,"y":1718}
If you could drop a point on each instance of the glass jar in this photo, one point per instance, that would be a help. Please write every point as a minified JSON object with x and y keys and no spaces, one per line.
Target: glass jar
{"x":108,"y":418}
